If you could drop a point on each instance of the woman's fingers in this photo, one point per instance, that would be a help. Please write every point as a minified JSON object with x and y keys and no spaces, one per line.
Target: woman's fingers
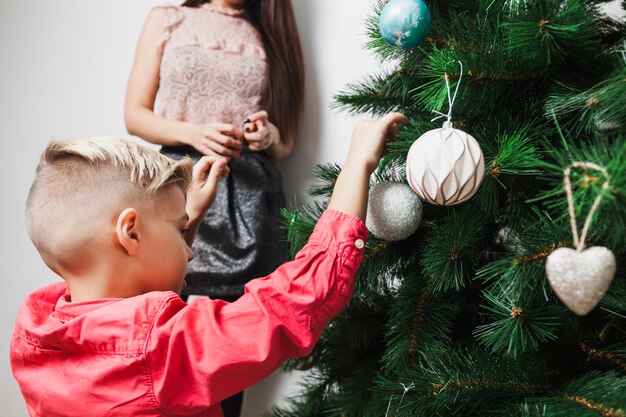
{"x":223,"y":139}
{"x":255,"y":121}
{"x":226,"y":140}
{"x":260,"y":139}
{"x":258,"y":116}
{"x":254,"y":137}
{"x":222,"y":150}
{"x":228,"y":129}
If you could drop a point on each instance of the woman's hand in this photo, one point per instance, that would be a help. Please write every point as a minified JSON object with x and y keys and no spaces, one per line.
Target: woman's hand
{"x":220,"y":139}
{"x":259,"y":132}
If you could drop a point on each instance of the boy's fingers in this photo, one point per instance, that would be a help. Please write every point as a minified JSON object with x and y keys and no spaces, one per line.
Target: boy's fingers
{"x":209,"y":166}
{"x":391,"y":118}
{"x":201,"y":168}
{"x":392,"y":132}
{"x":225,"y":170}
{"x":391,"y":122}
{"x":215,"y":173}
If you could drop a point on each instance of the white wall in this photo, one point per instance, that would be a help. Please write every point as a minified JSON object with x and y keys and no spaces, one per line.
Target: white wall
{"x":63,"y":74}
{"x":64,"y":69}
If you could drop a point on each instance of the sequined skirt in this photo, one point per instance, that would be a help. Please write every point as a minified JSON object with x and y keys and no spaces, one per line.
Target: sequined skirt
{"x":241,"y":237}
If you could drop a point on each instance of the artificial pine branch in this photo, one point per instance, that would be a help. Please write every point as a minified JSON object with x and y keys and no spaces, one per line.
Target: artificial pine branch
{"x":459,"y":318}
{"x":591,"y":395}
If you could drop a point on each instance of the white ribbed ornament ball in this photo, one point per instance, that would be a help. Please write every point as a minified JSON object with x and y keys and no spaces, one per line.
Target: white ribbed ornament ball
{"x":445,"y":166}
{"x":394,"y":212}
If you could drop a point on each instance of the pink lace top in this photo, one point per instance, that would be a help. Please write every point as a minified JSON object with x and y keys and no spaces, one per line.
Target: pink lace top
{"x":213,"y":66}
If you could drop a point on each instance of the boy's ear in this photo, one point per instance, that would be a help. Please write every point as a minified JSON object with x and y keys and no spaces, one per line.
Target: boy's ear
{"x":127,"y":232}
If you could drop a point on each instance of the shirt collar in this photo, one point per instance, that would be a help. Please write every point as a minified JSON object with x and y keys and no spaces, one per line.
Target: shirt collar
{"x":66,"y":310}
{"x":228,"y":11}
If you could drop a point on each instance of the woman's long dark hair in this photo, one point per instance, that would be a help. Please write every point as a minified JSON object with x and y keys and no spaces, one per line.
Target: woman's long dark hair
{"x":284,"y":96}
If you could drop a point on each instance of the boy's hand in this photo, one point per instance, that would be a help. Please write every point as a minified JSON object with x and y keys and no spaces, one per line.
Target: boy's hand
{"x":366,"y":148}
{"x":203,"y":189}
{"x":369,"y":138}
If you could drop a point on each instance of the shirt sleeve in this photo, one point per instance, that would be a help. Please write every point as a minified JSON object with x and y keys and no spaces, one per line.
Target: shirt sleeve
{"x":203,"y":352}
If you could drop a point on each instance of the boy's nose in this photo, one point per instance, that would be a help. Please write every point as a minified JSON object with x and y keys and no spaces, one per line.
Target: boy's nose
{"x":190,"y":254}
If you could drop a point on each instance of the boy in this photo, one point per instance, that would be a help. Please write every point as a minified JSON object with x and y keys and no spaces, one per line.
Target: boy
{"x":115,"y":339}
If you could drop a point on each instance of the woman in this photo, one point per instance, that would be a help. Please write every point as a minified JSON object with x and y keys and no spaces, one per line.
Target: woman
{"x":224,"y":77}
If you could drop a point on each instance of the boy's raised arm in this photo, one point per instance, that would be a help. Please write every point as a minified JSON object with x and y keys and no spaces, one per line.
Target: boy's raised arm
{"x":351,"y":189}
{"x":222,"y":348}
{"x":366,"y":148}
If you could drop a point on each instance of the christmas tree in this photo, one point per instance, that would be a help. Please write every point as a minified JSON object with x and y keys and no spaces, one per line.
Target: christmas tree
{"x":462,"y":316}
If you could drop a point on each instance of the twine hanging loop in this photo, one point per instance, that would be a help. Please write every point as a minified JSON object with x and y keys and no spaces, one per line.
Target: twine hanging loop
{"x":579,"y":241}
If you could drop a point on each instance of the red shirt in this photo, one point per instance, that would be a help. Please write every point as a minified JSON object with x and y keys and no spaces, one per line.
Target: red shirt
{"x":155,"y":355}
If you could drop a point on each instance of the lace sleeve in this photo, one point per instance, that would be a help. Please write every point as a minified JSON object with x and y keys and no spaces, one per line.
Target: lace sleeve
{"x":173,"y":17}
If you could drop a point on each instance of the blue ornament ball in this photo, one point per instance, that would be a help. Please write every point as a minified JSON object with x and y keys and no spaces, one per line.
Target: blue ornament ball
{"x":404,"y":23}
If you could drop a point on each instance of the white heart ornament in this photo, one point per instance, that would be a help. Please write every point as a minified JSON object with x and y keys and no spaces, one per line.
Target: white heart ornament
{"x":580,"y":279}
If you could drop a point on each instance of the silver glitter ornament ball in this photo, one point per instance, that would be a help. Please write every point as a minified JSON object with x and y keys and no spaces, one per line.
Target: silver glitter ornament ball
{"x":580,"y":279}
{"x":394,"y":211}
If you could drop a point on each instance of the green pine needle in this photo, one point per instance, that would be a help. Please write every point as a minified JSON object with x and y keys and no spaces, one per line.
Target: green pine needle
{"x":516,"y":328}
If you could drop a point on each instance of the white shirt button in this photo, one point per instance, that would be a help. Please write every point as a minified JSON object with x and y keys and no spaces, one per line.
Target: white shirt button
{"x":359,"y":243}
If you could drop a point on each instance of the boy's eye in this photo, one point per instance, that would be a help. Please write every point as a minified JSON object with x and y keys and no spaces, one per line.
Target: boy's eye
{"x":184,"y":231}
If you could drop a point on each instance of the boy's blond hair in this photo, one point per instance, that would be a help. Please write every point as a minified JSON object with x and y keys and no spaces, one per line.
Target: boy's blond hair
{"x":76,"y":176}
